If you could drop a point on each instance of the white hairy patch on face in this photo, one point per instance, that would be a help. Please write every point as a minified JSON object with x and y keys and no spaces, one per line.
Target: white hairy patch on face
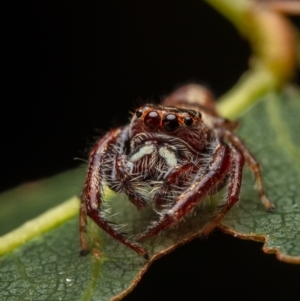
{"x":144,"y":150}
{"x":168,"y":155}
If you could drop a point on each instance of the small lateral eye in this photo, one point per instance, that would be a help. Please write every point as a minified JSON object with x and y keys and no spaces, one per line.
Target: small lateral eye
{"x":199,"y":114}
{"x":152,"y":120}
{"x":139,"y":113}
{"x":170,"y":123}
{"x":188,"y":121}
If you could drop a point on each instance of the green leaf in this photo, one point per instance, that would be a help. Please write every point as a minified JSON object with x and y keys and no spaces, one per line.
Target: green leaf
{"x":271,"y":131}
{"x":48,"y":266}
{"x":51,"y":191}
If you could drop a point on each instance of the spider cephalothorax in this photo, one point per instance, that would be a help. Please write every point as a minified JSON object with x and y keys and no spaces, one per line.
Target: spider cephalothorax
{"x":170,"y":156}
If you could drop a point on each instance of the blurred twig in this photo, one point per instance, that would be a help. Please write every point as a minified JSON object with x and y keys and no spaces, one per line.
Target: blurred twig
{"x":273,"y":41}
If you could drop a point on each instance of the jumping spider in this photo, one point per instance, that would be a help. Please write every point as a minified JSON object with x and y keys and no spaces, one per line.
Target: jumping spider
{"x":170,"y":156}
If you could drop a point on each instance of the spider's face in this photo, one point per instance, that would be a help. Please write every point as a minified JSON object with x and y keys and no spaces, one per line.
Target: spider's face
{"x":165,"y":121}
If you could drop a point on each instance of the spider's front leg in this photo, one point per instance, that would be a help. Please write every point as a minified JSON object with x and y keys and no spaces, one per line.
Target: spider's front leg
{"x":92,"y":196}
{"x":176,"y":178}
{"x":128,"y":181}
{"x":233,"y":192}
{"x":215,"y":175}
{"x":253,"y":166}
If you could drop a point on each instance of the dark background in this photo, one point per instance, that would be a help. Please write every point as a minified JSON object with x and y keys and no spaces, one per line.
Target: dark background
{"x":71,"y":68}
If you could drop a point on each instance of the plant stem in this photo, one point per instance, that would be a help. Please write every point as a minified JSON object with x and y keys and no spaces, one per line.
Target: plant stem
{"x":273,"y":42}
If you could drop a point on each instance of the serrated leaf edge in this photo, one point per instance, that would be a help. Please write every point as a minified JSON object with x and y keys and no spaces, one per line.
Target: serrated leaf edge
{"x":264,"y":239}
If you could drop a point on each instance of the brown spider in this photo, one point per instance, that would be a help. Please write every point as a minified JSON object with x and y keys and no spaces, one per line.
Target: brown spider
{"x":172,"y":156}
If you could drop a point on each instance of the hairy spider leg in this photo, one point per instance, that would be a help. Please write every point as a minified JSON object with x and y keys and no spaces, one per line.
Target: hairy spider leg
{"x":253,"y":166}
{"x":173,"y":177}
{"x":92,"y":197}
{"x":128,"y":182}
{"x":218,"y":169}
{"x":233,"y":192}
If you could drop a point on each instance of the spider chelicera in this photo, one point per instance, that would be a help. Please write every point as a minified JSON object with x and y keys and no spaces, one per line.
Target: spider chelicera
{"x":171,"y":156}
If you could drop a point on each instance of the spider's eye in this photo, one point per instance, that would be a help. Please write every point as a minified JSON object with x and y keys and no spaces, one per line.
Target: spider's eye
{"x":139,"y":113}
{"x":199,"y":114}
{"x":152,"y":120}
{"x":188,"y":120}
{"x":170,"y":123}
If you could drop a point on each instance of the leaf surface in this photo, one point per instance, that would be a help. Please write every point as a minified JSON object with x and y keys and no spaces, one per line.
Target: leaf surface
{"x":271,"y":131}
{"x":48,"y":266}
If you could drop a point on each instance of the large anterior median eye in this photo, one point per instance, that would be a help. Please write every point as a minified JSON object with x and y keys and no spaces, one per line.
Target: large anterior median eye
{"x":170,"y":123}
{"x":152,"y":120}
